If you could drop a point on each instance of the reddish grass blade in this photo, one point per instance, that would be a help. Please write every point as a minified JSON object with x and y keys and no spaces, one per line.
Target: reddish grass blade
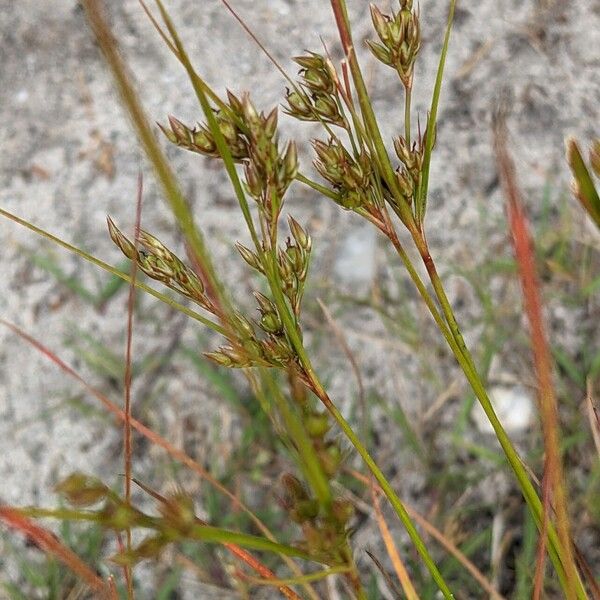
{"x":47,"y":542}
{"x":127,"y":440}
{"x":553,"y":482}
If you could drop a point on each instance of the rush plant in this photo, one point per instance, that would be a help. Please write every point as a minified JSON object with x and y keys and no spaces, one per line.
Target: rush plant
{"x":390,"y":191}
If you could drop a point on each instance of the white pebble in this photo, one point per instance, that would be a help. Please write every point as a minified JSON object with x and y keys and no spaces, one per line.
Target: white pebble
{"x":514,"y":407}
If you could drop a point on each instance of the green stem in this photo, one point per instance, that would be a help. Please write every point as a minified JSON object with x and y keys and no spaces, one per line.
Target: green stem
{"x":421,"y":200}
{"x":407,"y":102}
{"x":306,"y":455}
{"x":383,"y":159}
{"x":317,"y":187}
{"x":293,"y":335}
{"x":465,"y":359}
{"x":381,"y":479}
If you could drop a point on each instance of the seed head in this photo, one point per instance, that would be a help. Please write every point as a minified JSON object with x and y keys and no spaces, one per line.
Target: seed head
{"x":126,"y":247}
{"x":350,"y":176}
{"x":277,"y":351}
{"x":151,"y":547}
{"x":82,"y":490}
{"x":290,"y":163}
{"x":299,"y":234}
{"x":200,"y":139}
{"x":317,"y":97}
{"x":265,"y":305}
{"x":317,"y":424}
{"x":250,"y":257}
{"x":243,"y":325}
{"x":159,"y":263}
{"x":400,"y":37}
{"x":271,"y":323}
{"x":178,"y":511}
{"x":230,"y":357}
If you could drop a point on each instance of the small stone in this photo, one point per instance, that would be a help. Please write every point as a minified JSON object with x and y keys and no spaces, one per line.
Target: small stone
{"x":514,"y":406}
{"x":355,"y":262}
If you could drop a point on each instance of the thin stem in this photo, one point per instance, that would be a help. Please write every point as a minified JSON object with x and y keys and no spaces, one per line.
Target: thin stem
{"x":383,"y":159}
{"x":407,"y":102}
{"x":421,"y":201}
{"x":128,"y":375}
{"x":381,"y":479}
{"x":465,"y":359}
{"x":291,"y":329}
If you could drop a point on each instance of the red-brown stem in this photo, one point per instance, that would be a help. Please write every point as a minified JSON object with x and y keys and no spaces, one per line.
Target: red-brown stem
{"x":127,"y":441}
{"x":523,"y":248}
{"x":48,"y":542}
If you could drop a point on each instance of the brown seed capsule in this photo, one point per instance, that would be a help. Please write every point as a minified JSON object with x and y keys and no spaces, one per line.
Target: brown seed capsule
{"x":299,"y":234}
{"x":169,"y":134}
{"x":342,"y":511}
{"x":238,"y":357}
{"x":265,"y":305}
{"x":120,"y":516}
{"x":181,"y":131}
{"x":235,"y":103}
{"x":294,"y":487}
{"x":250,"y":257}
{"x":380,"y":22}
{"x":243,"y":325}
{"x":290,"y":161}
{"x":305,"y":510}
{"x":299,"y":105}
{"x":178,"y":511}
{"x":82,"y":490}
{"x":151,"y":547}
{"x":120,"y":240}
{"x":317,"y":424}
{"x":270,"y":125}
{"x":331,"y":457}
{"x":220,"y":358}
{"x":296,"y":258}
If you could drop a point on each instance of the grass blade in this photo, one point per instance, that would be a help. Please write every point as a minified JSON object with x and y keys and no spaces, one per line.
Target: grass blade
{"x":421,"y":201}
{"x":554,"y":481}
{"x":162,"y":169}
{"x":585,"y":189}
{"x":48,"y":542}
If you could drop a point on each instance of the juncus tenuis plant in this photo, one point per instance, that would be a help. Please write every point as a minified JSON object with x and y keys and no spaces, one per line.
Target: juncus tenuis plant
{"x":360,"y":175}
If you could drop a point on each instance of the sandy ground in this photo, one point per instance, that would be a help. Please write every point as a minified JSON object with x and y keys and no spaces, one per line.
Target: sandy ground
{"x":69,"y":158}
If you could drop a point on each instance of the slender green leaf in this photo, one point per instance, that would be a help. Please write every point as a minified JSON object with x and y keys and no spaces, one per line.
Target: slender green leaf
{"x":585,"y":188}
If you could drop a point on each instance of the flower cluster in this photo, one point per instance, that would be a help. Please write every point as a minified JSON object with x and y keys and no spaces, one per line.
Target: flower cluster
{"x":316,"y":98}
{"x":200,"y":139}
{"x":159,"y":263}
{"x":400,"y":38}
{"x":251,"y":138}
{"x":350,"y":176}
